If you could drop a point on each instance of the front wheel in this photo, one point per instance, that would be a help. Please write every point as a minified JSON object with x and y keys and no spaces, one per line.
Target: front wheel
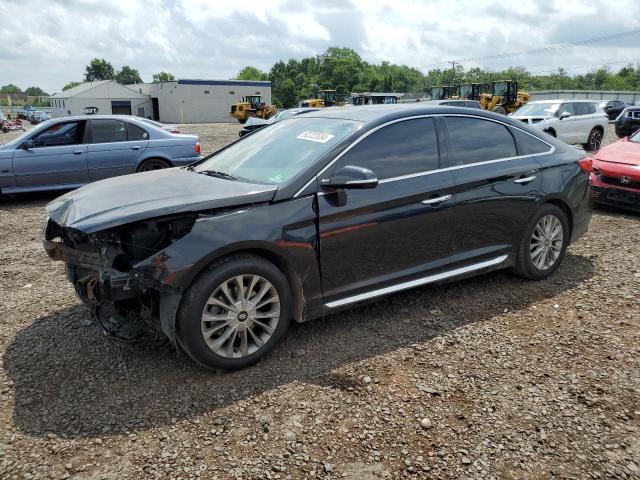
{"x":235,"y":313}
{"x":594,"y":141}
{"x":543,"y":244}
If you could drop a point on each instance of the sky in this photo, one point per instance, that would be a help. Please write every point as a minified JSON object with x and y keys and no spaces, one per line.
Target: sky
{"x":47,"y":43}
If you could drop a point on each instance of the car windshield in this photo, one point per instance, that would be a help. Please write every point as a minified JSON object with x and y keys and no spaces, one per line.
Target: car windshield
{"x":276,"y":154}
{"x":538,"y":109}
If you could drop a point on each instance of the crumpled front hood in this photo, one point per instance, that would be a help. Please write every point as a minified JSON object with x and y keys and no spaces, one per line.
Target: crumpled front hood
{"x":129,"y":198}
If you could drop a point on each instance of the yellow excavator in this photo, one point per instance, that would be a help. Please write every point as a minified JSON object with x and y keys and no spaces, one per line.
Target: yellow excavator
{"x":470,"y":91}
{"x":252,"y":106}
{"x":504,"y":97}
{"x":324,"y":98}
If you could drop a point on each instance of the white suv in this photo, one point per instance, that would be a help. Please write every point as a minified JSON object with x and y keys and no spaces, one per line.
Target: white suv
{"x":572,"y":121}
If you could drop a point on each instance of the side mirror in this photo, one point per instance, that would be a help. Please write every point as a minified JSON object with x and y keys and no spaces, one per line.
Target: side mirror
{"x":27,"y":145}
{"x":564,"y":115}
{"x":349,"y":177}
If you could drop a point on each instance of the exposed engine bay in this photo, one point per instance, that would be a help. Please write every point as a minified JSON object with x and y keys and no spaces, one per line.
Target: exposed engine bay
{"x":126,"y":303}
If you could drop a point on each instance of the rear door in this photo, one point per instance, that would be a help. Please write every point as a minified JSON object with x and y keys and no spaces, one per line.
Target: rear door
{"x":58,"y":157}
{"x":496,"y":178}
{"x":400,"y":231}
{"x":584,"y":121}
{"x":114,"y":148}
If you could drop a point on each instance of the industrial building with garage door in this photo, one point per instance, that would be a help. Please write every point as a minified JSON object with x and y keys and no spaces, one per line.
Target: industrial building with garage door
{"x":180,"y":101}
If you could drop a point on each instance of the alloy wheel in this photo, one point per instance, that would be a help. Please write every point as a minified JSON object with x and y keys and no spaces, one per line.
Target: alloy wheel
{"x":546,"y":242}
{"x":240,"y":316}
{"x":595,"y":140}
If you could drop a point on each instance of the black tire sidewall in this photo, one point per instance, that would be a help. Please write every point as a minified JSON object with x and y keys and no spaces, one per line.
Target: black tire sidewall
{"x":190,"y":313}
{"x":587,"y":146}
{"x":141,"y":167}
{"x":525,"y":266}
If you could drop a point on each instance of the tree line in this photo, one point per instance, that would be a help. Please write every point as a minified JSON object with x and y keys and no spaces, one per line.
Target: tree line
{"x":344,"y":70}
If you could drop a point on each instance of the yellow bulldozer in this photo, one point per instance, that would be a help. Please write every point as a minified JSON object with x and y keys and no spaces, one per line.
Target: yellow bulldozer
{"x":504,"y":97}
{"x":252,"y":106}
{"x":324,"y":98}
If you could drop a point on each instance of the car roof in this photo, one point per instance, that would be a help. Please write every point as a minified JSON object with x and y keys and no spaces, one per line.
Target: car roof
{"x":374,"y":113}
{"x":100,"y":117}
{"x":569,"y":100}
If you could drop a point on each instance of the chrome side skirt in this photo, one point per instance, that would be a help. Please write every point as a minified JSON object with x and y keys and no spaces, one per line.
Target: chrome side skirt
{"x":417,"y":282}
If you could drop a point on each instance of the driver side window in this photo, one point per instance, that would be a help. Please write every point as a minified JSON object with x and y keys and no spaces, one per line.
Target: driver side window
{"x":402,"y":148}
{"x":69,"y":133}
{"x":565,"y":107}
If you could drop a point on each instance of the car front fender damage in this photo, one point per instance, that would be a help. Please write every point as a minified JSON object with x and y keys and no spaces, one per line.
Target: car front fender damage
{"x":127,"y":304}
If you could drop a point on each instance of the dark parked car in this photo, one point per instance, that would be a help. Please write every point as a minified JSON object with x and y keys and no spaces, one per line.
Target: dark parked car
{"x":613,"y":108}
{"x":628,"y":122}
{"x":69,"y":152}
{"x":255,"y":123}
{"x":315,"y":214}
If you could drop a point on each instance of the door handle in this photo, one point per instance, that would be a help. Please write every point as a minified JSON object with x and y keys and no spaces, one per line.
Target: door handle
{"x":525,"y":180}
{"x":137,"y":147}
{"x":433,"y":201}
{"x":77,"y":152}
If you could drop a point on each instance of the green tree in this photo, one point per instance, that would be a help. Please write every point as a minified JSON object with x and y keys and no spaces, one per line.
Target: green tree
{"x":10,"y":88}
{"x":128,"y":76}
{"x":288,"y":95}
{"x":163,"y":77}
{"x":251,"y":73}
{"x":71,"y":85}
{"x":99,"y":69}
{"x":35,"y":92}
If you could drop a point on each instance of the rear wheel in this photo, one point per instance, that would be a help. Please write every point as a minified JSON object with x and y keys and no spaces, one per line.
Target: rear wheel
{"x":543,"y":244}
{"x":152,"y":164}
{"x":594,"y":141}
{"x":235,"y":313}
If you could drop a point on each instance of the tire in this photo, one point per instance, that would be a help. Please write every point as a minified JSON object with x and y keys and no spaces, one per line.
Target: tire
{"x":528,"y":265}
{"x":152,"y":164}
{"x":594,"y":141}
{"x":499,"y":109}
{"x":203,"y":340}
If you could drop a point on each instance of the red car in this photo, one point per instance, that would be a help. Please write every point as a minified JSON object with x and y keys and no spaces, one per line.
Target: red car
{"x":615,"y":178}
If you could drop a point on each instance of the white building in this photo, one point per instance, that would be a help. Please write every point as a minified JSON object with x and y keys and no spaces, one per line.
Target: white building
{"x":104,"y":97}
{"x":200,"y":101}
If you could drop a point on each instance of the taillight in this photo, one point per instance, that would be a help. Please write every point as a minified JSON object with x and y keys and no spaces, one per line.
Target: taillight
{"x":197,"y":147}
{"x":586,"y":164}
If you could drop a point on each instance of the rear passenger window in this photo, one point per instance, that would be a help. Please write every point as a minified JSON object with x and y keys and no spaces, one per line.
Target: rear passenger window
{"x":134,"y":132}
{"x":475,"y":140}
{"x":528,"y":144}
{"x":106,"y":131}
{"x":402,"y":148}
{"x":581,"y":108}
{"x":592,"y":107}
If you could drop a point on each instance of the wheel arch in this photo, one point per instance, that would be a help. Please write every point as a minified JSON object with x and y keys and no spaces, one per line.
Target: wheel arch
{"x":266,"y":252}
{"x":563,"y":205}
{"x":165,"y":159}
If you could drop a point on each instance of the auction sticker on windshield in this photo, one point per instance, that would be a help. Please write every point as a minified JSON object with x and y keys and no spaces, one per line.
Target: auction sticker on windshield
{"x":319,"y":137}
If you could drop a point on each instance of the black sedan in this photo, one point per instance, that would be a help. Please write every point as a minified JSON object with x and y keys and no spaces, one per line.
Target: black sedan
{"x":628,"y":122}
{"x":315,"y":214}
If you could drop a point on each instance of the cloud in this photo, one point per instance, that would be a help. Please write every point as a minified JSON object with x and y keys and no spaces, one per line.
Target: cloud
{"x":204,"y":39}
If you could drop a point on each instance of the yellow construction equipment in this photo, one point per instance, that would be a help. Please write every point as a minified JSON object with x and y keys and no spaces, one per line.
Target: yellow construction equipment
{"x":324,"y":98}
{"x":252,"y":106}
{"x":470,"y":91}
{"x":504,"y":97}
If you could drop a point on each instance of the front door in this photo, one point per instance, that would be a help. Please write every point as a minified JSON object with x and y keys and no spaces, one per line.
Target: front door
{"x":58,"y":157}
{"x":497,"y":179}
{"x":400,"y":231}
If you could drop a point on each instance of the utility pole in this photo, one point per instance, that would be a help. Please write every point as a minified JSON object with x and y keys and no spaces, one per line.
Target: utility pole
{"x":453,"y":72}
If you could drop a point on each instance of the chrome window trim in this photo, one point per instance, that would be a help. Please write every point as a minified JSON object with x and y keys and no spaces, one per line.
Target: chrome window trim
{"x":416,"y":283}
{"x":551,"y":150}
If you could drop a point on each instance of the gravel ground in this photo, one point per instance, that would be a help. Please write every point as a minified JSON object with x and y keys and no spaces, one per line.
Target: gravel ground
{"x":492,"y":377}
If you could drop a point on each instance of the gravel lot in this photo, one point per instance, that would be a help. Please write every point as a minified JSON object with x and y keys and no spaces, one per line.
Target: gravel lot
{"x":493,"y":377}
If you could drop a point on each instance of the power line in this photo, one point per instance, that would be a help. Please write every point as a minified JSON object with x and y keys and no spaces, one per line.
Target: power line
{"x":533,"y":51}
{"x":585,"y":66}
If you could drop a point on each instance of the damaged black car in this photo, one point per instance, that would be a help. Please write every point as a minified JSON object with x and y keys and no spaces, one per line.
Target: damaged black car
{"x":314,"y":214}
